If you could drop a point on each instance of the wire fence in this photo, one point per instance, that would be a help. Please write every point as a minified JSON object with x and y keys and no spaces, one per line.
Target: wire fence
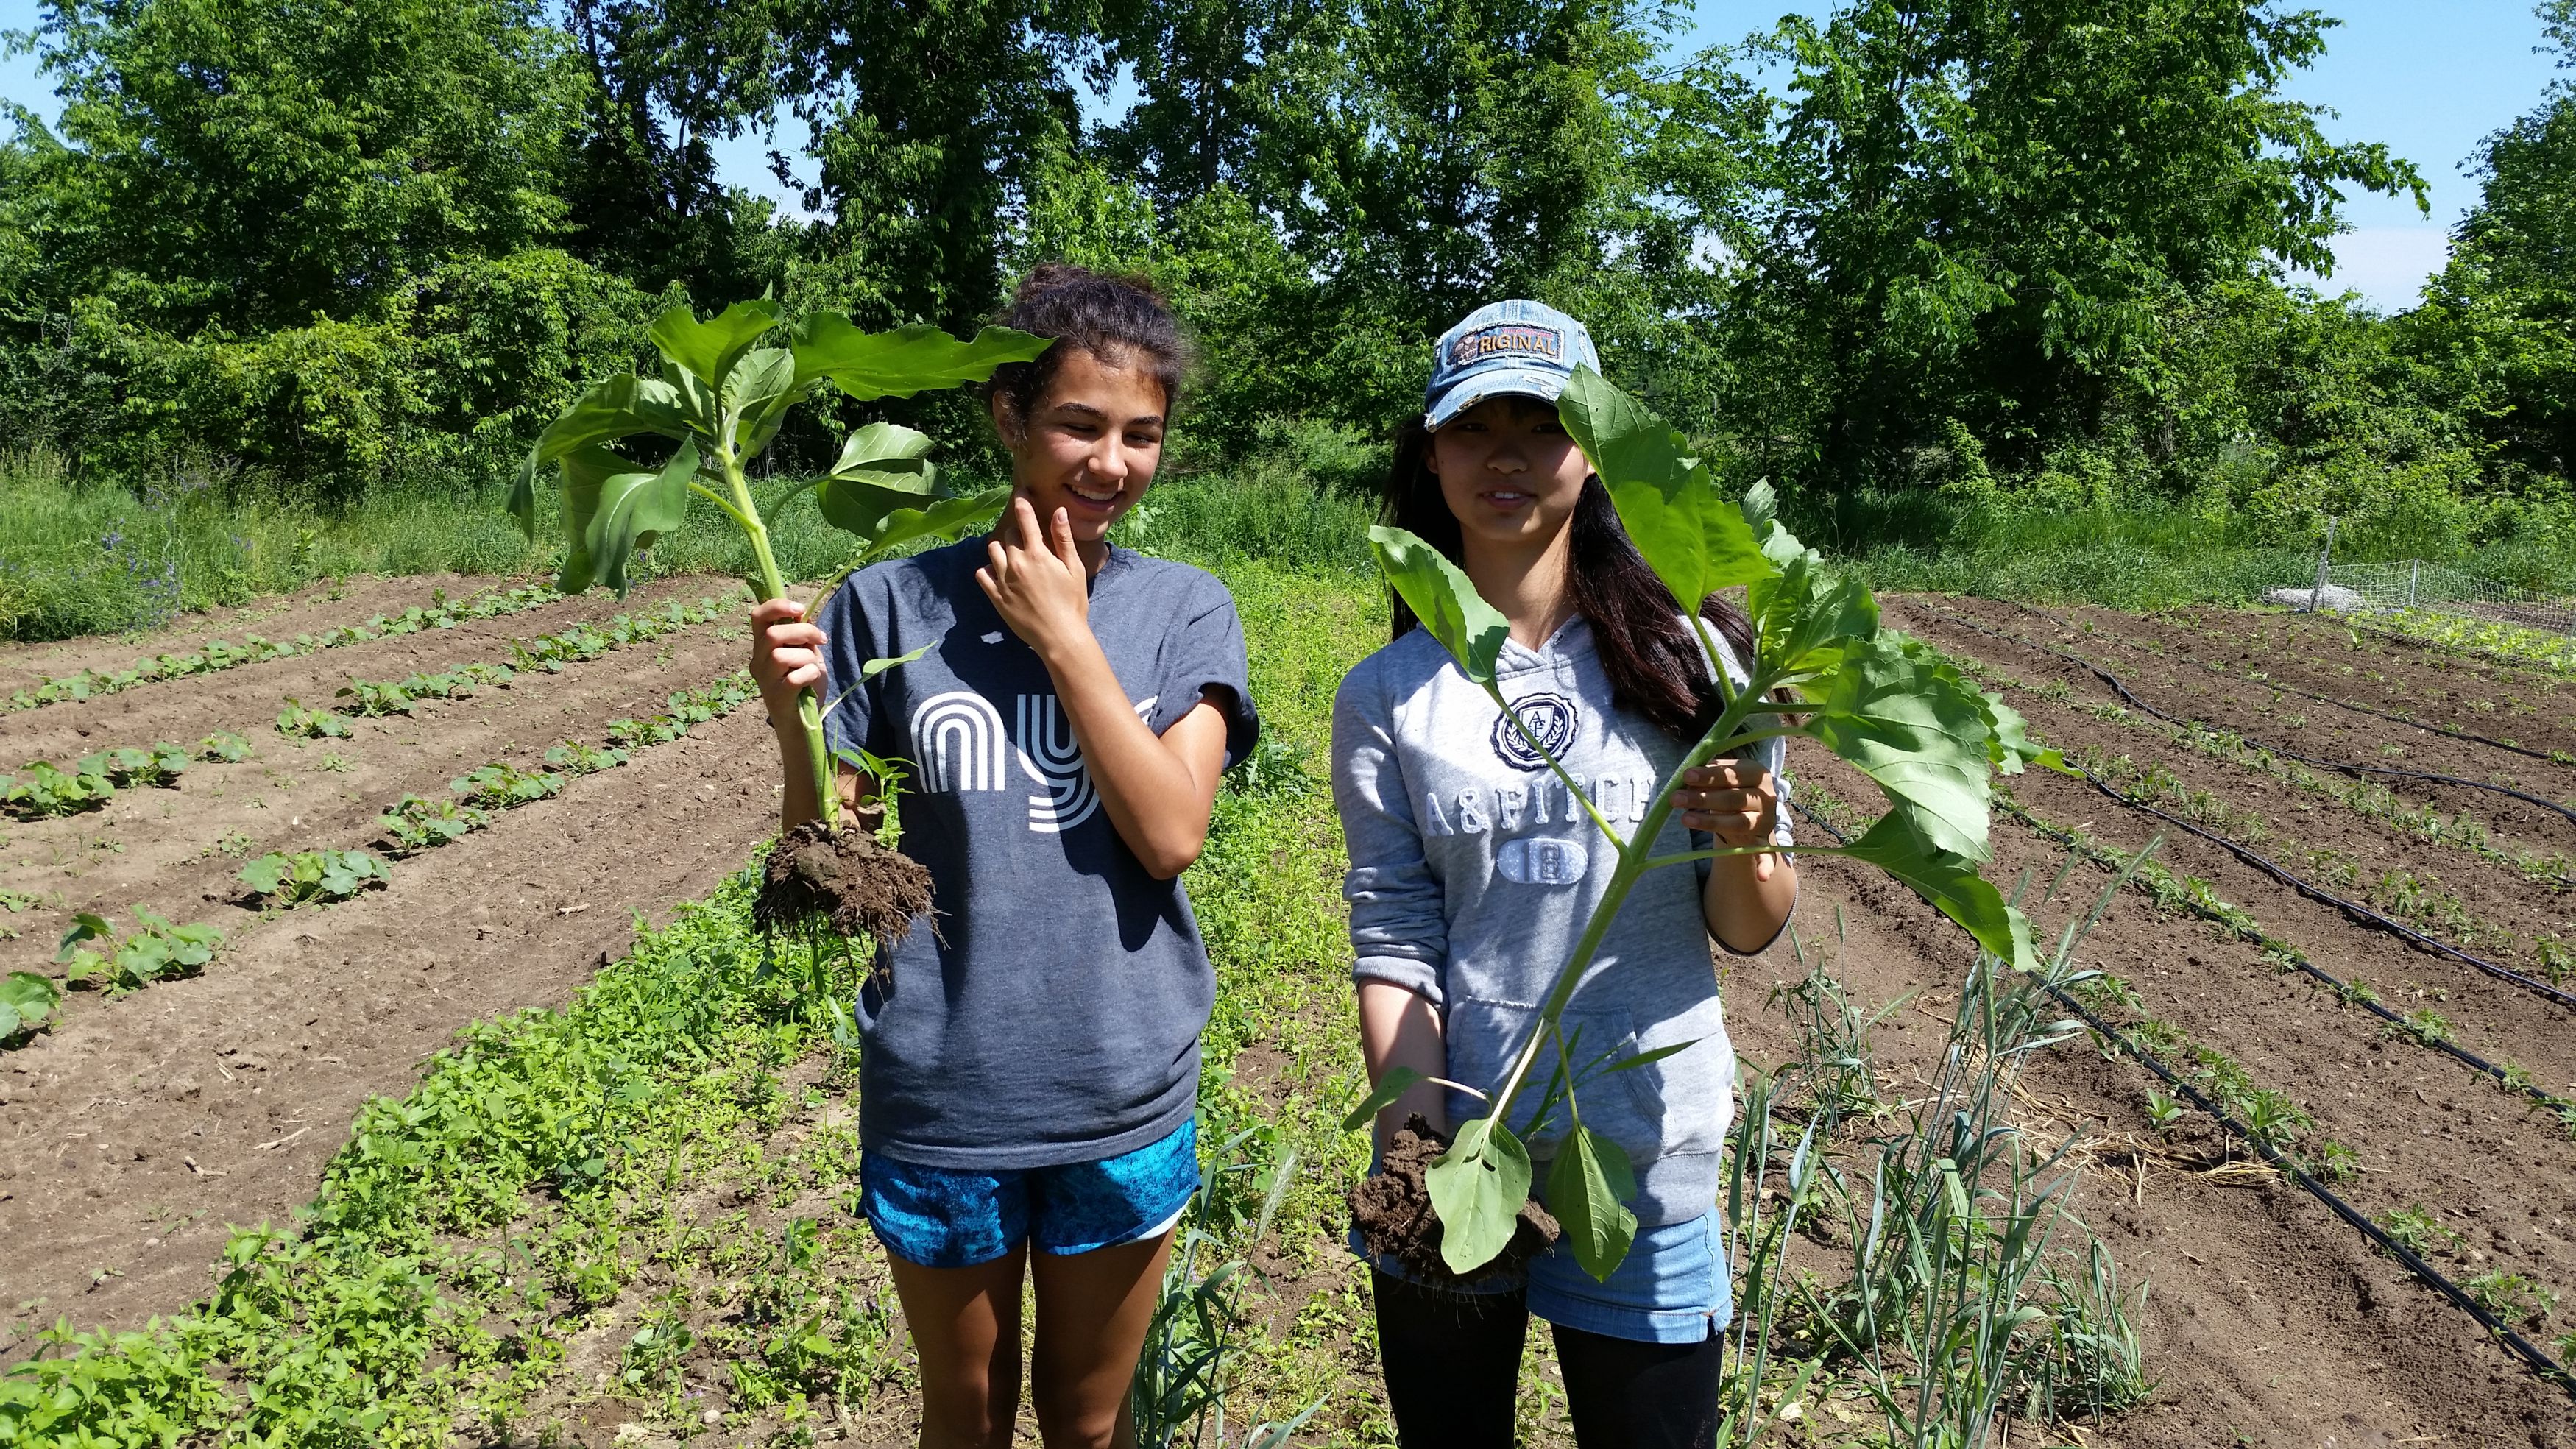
{"x":2439,"y":588}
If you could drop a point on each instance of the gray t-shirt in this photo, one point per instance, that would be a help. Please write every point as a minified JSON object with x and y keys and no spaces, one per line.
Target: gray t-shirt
{"x":1053,"y":1014}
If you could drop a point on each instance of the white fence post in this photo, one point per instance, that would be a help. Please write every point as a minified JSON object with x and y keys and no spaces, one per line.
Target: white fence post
{"x":2412,"y":579}
{"x":2316,"y":595}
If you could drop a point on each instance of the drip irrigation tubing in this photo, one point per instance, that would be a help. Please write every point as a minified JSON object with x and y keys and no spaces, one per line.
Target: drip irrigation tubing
{"x":2520,"y":1347}
{"x":2299,"y":962}
{"x":2127,"y":697}
{"x":2363,"y":914}
{"x":2542,"y":755}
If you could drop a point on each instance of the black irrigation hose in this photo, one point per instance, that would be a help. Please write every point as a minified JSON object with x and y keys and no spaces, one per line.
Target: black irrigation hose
{"x":2522,"y":1348}
{"x":2130,"y":699}
{"x":2356,"y":910}
{"x":2299,"y":962}
{"x":2541,"y":755}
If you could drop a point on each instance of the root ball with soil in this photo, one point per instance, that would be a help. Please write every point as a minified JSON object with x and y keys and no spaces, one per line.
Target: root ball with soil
{"x":843,"y":879}
{"x":1392,"y":1210}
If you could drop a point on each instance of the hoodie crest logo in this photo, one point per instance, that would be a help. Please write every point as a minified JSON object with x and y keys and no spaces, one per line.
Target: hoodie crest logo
{"x":1550,"y":718}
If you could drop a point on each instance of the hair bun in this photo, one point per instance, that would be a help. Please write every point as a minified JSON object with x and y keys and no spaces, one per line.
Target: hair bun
{"x":1119,"y":318}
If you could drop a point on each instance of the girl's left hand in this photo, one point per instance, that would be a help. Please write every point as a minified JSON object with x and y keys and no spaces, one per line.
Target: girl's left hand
{"x":1735,"y":800}
{"x":1036,"y":579}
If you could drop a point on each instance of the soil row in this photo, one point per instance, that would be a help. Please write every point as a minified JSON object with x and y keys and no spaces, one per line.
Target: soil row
{"x":2539,"y":714}
{"x":142,"y":1127}
{"x":2352,"y":853}
{"x":308,"y":611}
{"x":177,"y":848}
{"x":2267,"y":1318}
{"x":2305,"y":727}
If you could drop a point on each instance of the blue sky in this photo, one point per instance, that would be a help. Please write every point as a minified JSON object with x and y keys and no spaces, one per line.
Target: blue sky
{"x":2430,"y":79}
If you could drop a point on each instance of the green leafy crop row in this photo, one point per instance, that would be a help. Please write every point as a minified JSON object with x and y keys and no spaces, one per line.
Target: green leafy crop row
{"x":41,"y":789}
{"x":375,"y":700}
{"x":417,"y":823}
{"x":584,"y":642}
{"x":219,"y":654}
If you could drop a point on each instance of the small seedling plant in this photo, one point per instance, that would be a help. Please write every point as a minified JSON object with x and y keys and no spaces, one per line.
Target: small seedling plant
{"x":153,"y":951}
{"x":224,"y":748}
{"x":279,"y":879}
{"x":127,"y":768}
{"x":417,"y":823}
{"x":501,"y":787}
{"x":27,"y":1003}
{"x":298,"y":722}
{"x":41,"y":790}
{"x":721,"y":398}
{"x":1824,"y":670}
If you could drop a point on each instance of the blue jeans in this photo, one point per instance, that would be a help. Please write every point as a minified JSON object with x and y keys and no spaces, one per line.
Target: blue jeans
{"x":942,"y":1218}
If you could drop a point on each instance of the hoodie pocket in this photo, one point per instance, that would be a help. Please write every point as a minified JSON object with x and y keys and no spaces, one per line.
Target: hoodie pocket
{"x":1622,"y":1106}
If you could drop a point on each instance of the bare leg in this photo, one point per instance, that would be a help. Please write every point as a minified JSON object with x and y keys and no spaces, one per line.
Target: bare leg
{"x":1093,"y":1310}
{"x":965,"y":1324}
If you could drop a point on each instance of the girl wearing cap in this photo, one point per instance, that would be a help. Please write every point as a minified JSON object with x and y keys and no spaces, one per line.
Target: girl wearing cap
{"x":1472,"y":875}
{"x":1032,"y":1064}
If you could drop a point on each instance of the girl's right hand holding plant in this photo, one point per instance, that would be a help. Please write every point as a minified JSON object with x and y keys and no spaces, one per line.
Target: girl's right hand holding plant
{"x":786,"y":656}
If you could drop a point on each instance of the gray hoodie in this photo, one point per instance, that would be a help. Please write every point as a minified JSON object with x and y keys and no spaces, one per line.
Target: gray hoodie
{"x":1472,"y":875}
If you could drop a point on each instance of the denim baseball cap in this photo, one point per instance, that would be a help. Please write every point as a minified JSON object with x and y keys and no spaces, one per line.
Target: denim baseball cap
{"x":1505,"y":349}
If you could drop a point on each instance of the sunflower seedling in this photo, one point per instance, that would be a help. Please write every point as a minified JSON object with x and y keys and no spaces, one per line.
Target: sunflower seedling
{"x":721,"y":399}
{"x":1881,"y":702}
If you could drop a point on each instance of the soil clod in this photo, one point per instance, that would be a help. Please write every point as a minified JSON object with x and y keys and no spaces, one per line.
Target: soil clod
{"x":1392,"y":1210}
{"x":842,"y":878}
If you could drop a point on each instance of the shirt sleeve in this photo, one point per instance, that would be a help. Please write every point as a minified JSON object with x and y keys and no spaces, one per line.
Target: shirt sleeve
{"x":849,"y":704}
{"x":1204,"y":658}
{"x":1399,"y":929}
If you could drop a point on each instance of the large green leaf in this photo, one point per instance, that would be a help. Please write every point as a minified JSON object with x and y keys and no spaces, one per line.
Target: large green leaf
{"x":1805,"y":620}
{"x":907,"y":360}
{"x":708,"y":350}
{"x":1951,"y":883}
{"x":614,"y":408}
{"x":1587,"y":1188}
{"x":885,"y":519}
{"x":26,"y":999}
{"x":2011,"y":745}
{"x":630,"y":511}
{"x":758,"y":393}
{"x":1477,"y":1188}
{"x":1901,"y":717}
{"x":1396,"y":1082}
{"x":1472,"y":630}
{"x":888,"y":455}
{"x":1696,"y":541}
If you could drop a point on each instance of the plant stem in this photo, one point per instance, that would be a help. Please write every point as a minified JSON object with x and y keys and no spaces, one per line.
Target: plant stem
{"x":771,"y":585}
{"x":1634,"y":861}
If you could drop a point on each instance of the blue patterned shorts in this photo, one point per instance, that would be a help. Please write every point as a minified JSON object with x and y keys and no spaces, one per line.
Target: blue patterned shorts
{"x":942,"y":1218}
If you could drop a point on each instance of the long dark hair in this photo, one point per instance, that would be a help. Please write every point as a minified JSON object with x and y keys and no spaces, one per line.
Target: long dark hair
{"x":1649,"y":651}
{"x":1120,"y":320}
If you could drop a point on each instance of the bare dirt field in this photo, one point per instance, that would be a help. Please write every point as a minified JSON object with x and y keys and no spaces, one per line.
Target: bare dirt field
{"x":141,"y":1126}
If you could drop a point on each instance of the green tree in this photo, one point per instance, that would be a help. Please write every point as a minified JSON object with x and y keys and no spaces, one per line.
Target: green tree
{"x":1985,"y":211}
{"x":250,"y":166}
{"x":2500,"y":319}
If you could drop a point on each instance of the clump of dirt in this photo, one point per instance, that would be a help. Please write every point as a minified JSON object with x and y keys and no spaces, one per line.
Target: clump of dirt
{"x":1392,"y":1210}
{"x":842,"y":878}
